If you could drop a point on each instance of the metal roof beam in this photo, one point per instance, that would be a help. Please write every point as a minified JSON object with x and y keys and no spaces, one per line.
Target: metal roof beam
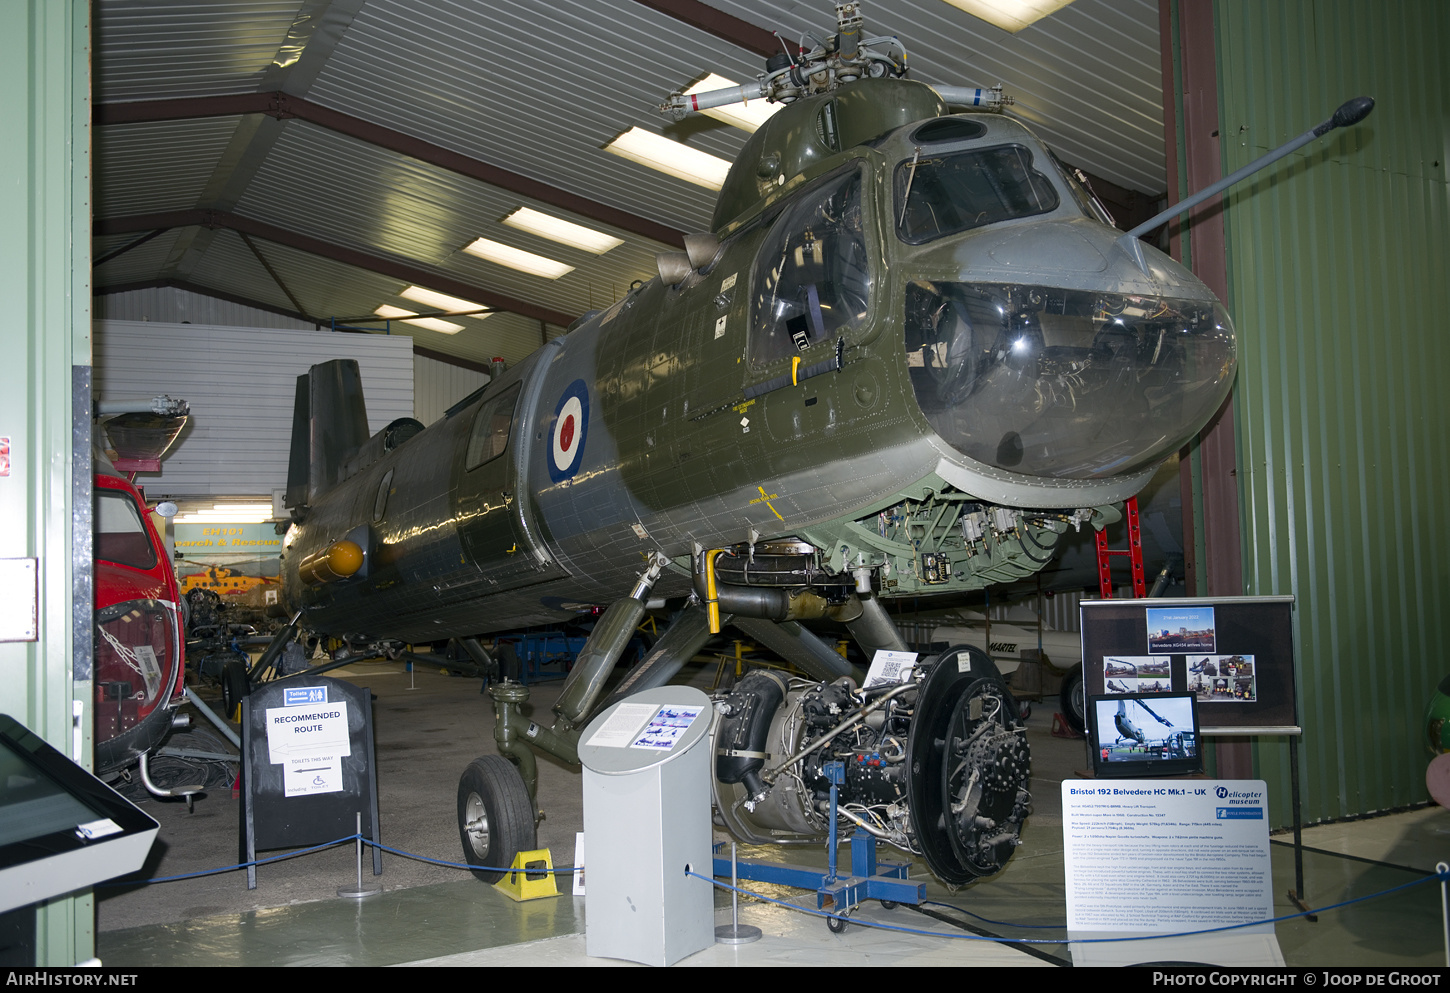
{"x":283,"y":106}
{"x":430,"y":278}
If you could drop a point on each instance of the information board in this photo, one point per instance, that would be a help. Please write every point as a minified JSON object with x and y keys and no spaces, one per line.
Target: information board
{"x":1168,"y":856}
{"x":309,"y":770}
{"x":1236,"y":654}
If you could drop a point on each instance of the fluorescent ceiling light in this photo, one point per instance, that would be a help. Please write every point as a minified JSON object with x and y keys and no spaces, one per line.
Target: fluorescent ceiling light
{"x":440,"y":301}
{"x":564,"y":232}
{"x":680,"y":161}
{"x":431,"y":323}
{"x":746,"y":116}
{"x":228,"y":513}
{"x":517,"y":258}
{"x":1010,"y":15}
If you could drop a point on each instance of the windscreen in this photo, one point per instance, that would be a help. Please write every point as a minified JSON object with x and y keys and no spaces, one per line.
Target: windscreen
{"x":1065,"y":384}
{"x":938,"y":195}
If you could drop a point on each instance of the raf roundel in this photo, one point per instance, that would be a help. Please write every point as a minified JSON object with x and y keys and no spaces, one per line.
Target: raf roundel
{"x":567,"y":433}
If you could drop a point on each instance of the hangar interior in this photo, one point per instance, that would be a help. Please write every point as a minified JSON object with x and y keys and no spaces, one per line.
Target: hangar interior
{"x":310,"y":165}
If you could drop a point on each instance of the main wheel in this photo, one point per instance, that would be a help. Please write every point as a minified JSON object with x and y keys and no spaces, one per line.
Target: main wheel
{"x":495,"y":816}
{"x":1072,"y":700}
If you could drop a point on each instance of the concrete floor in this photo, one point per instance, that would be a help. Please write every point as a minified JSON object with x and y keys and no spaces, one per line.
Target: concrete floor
{"x":429,"y":727}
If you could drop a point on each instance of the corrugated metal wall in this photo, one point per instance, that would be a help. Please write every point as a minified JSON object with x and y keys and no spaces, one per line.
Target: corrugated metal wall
{"x":173,"y":305}
{"x":1338,"y":282}
{"x":436,"y":385}
{"x":241,"y":383}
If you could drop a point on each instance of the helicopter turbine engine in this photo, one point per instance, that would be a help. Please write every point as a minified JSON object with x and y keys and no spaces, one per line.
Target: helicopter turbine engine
{"x":936,"y":765}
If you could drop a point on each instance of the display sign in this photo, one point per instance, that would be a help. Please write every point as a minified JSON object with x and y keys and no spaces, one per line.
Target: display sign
{"x":309,"y":742}
{"x":1234,"y":654}
{"x":666,"y":728}
{"x":1167,"y":856}
{"x":309,"y":770}
{"x":889,"y":668}
{"x":641,"y":725}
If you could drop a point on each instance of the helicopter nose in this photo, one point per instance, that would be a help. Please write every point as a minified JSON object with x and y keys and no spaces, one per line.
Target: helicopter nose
{"x":1048,"y":247}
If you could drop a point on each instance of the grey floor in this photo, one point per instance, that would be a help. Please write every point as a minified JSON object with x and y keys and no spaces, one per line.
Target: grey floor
{"x":429,"y":726}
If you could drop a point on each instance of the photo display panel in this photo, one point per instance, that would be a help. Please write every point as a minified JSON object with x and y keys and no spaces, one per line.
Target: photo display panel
{"x":1234,"y":654}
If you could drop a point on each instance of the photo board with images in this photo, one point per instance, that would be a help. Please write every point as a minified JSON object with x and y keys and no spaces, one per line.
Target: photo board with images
{"x":1235,"y":654}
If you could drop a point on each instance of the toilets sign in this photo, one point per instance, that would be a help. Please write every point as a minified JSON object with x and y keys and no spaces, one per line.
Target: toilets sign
{"x":309,"y":741}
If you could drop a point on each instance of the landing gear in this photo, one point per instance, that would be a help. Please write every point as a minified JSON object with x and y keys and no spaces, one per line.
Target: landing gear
{"x":1072,"y":701}
{"x":495,"y":816}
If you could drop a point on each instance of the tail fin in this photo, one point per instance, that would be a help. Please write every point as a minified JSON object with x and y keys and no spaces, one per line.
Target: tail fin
{"x":329,"y":424}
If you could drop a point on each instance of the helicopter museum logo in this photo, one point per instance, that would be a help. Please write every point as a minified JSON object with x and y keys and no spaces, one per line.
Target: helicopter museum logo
{"x":566,"y":434}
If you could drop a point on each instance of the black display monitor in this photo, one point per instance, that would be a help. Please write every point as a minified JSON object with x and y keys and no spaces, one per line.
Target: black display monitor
{"x":1144,"y":734}
{"x":61,"y":829}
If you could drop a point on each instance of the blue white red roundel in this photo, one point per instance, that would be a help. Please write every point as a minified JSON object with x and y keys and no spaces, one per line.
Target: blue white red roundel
{"x":567,"y":433}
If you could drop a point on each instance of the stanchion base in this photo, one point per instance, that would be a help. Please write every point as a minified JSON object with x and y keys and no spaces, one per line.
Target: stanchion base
{"x":737,"y":934}
{"x":357,"y":894}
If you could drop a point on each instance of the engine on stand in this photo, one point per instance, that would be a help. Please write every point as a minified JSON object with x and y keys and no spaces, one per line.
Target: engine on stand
{"x":935,"y":765}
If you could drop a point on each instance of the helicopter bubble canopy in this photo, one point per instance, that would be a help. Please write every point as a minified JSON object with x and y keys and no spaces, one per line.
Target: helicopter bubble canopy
{"x":1065,"y":384}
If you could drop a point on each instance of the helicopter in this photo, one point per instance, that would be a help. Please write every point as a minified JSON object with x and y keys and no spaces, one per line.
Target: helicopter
{"x":908,"y":357}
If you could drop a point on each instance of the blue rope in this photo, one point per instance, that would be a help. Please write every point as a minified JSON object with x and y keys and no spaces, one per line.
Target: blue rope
{"x":1442,"y":877}
{"x":1437,"y":876}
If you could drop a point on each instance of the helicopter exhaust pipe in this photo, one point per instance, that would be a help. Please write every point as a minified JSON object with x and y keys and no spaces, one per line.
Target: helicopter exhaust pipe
{"x":1350,"y":112}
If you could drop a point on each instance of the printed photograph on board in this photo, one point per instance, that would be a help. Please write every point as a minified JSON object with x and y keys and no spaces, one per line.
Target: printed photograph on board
{"x":1174,"y":630}
{"x":1223,"y":678}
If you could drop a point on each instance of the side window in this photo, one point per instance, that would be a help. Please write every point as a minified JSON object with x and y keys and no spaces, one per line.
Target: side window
{"x":812,"y":278}
{"x":380,"y":502}
{"x":491,"y":428}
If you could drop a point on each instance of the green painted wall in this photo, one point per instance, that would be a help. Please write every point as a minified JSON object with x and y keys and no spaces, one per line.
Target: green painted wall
{"x":45,"y":282}
{"x":1339,"y":276}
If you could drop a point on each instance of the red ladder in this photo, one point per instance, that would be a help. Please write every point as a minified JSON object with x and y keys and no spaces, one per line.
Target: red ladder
{"x":1134,"y":551}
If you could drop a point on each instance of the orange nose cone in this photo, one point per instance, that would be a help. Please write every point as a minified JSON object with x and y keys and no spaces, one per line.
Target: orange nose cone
{"x":345,"y":558}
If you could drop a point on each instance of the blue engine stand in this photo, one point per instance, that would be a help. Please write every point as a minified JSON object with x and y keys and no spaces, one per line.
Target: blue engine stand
{"x":869,"y":880}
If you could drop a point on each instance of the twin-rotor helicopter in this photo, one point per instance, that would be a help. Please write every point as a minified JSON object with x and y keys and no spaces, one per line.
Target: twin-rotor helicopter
{"x":911,"y":353}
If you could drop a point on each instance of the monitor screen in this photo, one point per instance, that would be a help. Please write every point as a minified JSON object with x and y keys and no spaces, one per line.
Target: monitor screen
{"x":1144,"y":734}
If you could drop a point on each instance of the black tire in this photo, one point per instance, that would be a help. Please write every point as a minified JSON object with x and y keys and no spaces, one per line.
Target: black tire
{"x":1072,"y":700}
{"x":234,"y":689}
{"x":492,"y":789}
{"x":836,"y":924}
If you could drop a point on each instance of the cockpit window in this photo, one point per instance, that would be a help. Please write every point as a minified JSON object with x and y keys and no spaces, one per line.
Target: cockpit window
{"x":812,"y":278}
{"x":491,"y":428}
{"x":939,"y":195}
{"x":120,"y":534}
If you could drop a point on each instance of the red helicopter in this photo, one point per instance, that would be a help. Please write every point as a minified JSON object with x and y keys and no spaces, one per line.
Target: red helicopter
{"x":140,"y":645}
